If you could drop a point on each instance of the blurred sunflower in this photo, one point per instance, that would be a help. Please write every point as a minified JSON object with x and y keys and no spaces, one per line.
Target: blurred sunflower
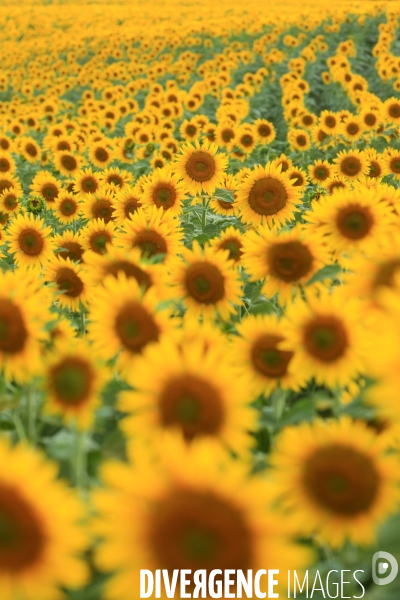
{"x":163,"y":190}
{"x":125,"y":203}
{"x":42,"y":537}
{"x":351,"y":164}
{"x":232,"y":240}
{"x":336,"y":480}
{"x":67,"y":207}
{"x":97,"y":235}
{"x":70,"y":287}
{"x":189,"y":514}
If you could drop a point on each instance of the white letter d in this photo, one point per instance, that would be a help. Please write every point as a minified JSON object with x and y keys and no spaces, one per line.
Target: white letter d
{"x":143,"y":574}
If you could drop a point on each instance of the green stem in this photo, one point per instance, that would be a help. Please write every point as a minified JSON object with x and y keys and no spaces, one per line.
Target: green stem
{"x":31,"y":405}
{"x":19,"y":427}
{"x":80,"y":461}
{"x":83,"y":325}
{"x":204,"y":214}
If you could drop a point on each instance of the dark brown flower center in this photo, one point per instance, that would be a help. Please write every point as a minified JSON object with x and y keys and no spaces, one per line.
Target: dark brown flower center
{"x":89,"y":184}
{"x":69,"y":162}
{"x":10,"y":201}
{"x":395,"y":164}
{"x":375,"y":169}
{"x":22,"y":538}
{"x":150,"y":243}
{"x":69,"y":282}
{"x":205,"y":283}
{"x":31,"y":242}
{"x":164,"y":195}
{"x":321,"y":173}
{"x":5,"y":165}
{"x":194,"y":529}
{"x":325,"y":338}
{"x":101,"y":155}
{"x":99,"y":241}
{"x":247,"y":140}
{"x":301,"y":140}
{"x":49,"y":192}
{"x":193,"y":404}
{"x":74,"y":251}
{"x":267,"y":359}
{"x":354,"y":222}
{"x":370,"y":119}
{"x":330,"y":122}
{"x":115,"y":179}
{"x":130,"y":206}
{"x":350,"y":166}
{"x":342,"y":480}
{"x":264,"y":130}
{"x":130,"y":270}
{"x":200,"y":166}
{"x":102,"y":209}
{"x":71,"y":380}
{"x":394,"y":111}
{"x":289,"y":261}
{"x":385,"y":275}
{"x":234,"y":246}
{"x":267,"y":196}
{"x":68,"y":206}
{"x":227,"y":134}
{"x":135,"y":327}
{"x":13,"y":332}
{"x":31,"y":150}
{"x":352,"y":128}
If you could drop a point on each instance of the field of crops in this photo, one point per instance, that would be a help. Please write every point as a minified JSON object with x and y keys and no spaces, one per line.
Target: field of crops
{"x":199,"y":292}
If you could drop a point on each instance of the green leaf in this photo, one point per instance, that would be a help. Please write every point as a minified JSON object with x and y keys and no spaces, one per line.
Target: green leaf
{"x":224,"y":195}
{"x":327,"y":272}
{"x":262,"y":308}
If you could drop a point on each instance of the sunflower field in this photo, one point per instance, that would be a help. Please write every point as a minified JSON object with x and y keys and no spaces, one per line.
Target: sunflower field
{"x":199,"y":293}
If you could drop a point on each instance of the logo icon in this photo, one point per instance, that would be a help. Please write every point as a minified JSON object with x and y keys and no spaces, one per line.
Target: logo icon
{"x":386,"y":560}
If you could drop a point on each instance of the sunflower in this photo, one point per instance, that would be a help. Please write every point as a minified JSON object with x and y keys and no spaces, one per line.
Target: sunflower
{"x":221,"y":207}
{"x":265,"y":131}
{"x":42,"y":535}
{"x":191,"y":392}
{"x":267,"y":196}
{"x":61,"y":333}
{"x":225,"y":134}
{"x":163,"y":190}
{"x":350,"y":220}
{"x":7,"y":164}
{"x":351,"y":164}
{"x":67,"y":163}
{"x":333,"y":184}
{"x":329,"y":342}
{"x":207,"y":282}
{"x":329,"y":122}
{"x":70,"y":287}
{"x":377,"y":167}
{"x":299,"y":177}
{"x":200,"y":167}
{"x":335,"y":480}
{"x":101,"y":154}
{"x":256,"y":353}
{"x":287,"y":260}
{"x":246,"y":138}
{"x":29,"y":148}
{"x":99,"y":205}
{"x":189,"y":515}
{"x":320,"y":171}
{"x":129,"y":262}
{"x":352,"y":129}
{"x":86,"y":182}
{"x":125,"y":319}
{"x":232,"y":240}
{"x":391,"y":161}
{"x":29,"y":241}
{"x":67,"y":207}
{"x":120,"y":178}
{"x":371,"y":118}
{"x":391,"y":110}
{"x":299,"y":139}
{"x":9,"y":201}
{"x":97,"y":235}
{"x":70,"y":245}
{"x":44,"y":184}
{"x":73,"y":380}
{"x":23,"y":316}
{"x":125,"y":203}
{"x":154,"y":232}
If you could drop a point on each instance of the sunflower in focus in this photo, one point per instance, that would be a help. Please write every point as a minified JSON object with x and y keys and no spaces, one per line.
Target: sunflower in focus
{"x":192,"y":392}
{"x":189,"y":514}
{"x":267,"y":196}
{"x":154,"y":232}
{"x":200,"y":167}
{"x":42,"y":538}
{"x":335,"y":479}
{"x":73,"y":379}
{"x":232,"y":240}
{"x":351,"y":164}
{"x":163,"y":190}
{"x":47,"y":186}
{"x":206,"y":281}
{"x":30,"y":241}
{"x":67,"y":207}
